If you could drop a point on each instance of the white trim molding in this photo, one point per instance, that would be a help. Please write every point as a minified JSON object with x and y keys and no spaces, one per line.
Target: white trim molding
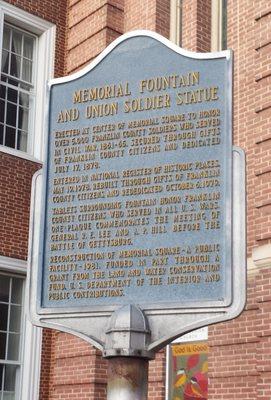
{"x":176,"y":21}
{"x":216,"y":25}
{"x":14,"y":265}
{"x":46,"y":33}
{"x":31,"y":361}
{"x":217,"y":12}
{"x":19,"y":154}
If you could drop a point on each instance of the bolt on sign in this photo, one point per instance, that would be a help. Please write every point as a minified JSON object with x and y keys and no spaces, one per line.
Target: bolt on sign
{"x":142,"y":193}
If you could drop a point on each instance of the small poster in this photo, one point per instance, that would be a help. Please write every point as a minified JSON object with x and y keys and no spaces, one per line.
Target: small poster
{"x":188,"y":374}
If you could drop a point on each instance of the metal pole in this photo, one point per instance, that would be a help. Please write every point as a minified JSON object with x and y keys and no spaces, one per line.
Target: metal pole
{"x":127,"y":378}
{"x":126,"y":348}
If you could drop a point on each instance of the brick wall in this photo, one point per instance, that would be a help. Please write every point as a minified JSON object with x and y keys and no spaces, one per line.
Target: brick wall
{"x":92,"y":25}
{"x":157,"y":376}
{"x":151,"y":15}
{"x":239,"y":360}
{"x":261,"y":124}
{"x":46,"y":358}
{"x":196,"y":25}
{"x":241,"y":39}
{"x":15,"y":187}
{"x":240,"y":350}
{"x":249,"y":37}
{"x":76,"y":370}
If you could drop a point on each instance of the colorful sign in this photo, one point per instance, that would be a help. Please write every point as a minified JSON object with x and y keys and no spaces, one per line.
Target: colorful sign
{"x":188,"y":376}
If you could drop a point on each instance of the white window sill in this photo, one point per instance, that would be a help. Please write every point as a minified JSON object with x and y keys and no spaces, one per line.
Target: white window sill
{"x":19,"y":154}
{"x":13,"y":265}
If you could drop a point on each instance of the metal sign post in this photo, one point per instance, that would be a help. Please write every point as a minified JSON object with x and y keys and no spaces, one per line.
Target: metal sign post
{"x":126,"y":345}
{"x":127,"y":379}
{"x":138,"y":234}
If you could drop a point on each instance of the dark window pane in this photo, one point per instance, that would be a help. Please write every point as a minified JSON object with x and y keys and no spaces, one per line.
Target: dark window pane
{"x":3,"y":317}
{"x":10,"y":137}
{"x":12,"y":82}
{"x":15,"y":319}
{"x":2,"y":110}
{"x":22,"y":141}
{"x":17,"y":72}
{"x":11,"y":114}
{"x":6,"y":38}
{"x":27,"y":71}
{"x":13,"y":346}
{"x":12,"y":95}
{"x":10,"y":378}
{"x":16,"y":44}
{"x":5,"y":62}
{"x":16,"y":291}
{"x":4,"y":288}
{"x":3,"y":91}
{"x":1,"y":133}
{"x":3,"y":340}
{"x":15,"y":65}
{"x":28,"y":47}
{"x":1,"y":375}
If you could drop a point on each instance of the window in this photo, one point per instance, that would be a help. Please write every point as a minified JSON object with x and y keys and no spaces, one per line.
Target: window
{"x":17,"y":88}
{"x":219,"y":25}
{"x":26,"y":65}
{"x":176,"y":22}
{"x":11,"y":295}
{"x":20,"y":342}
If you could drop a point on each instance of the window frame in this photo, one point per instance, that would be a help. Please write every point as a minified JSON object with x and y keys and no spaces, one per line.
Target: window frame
{"x":217,"y":25}
{"x":32,"y":85}
{"x":17,"y":363}
{"x":45,"y":32}
{"x":176,"y":21}
{"x":31,"y":337}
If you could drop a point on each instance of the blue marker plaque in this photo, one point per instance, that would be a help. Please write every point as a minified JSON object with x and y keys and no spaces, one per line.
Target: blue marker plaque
{"x":137,"y":193}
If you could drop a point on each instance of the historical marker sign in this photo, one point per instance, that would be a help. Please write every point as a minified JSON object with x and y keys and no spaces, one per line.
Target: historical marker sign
{"x":138,"y":182}
{"x":138,"y":198}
